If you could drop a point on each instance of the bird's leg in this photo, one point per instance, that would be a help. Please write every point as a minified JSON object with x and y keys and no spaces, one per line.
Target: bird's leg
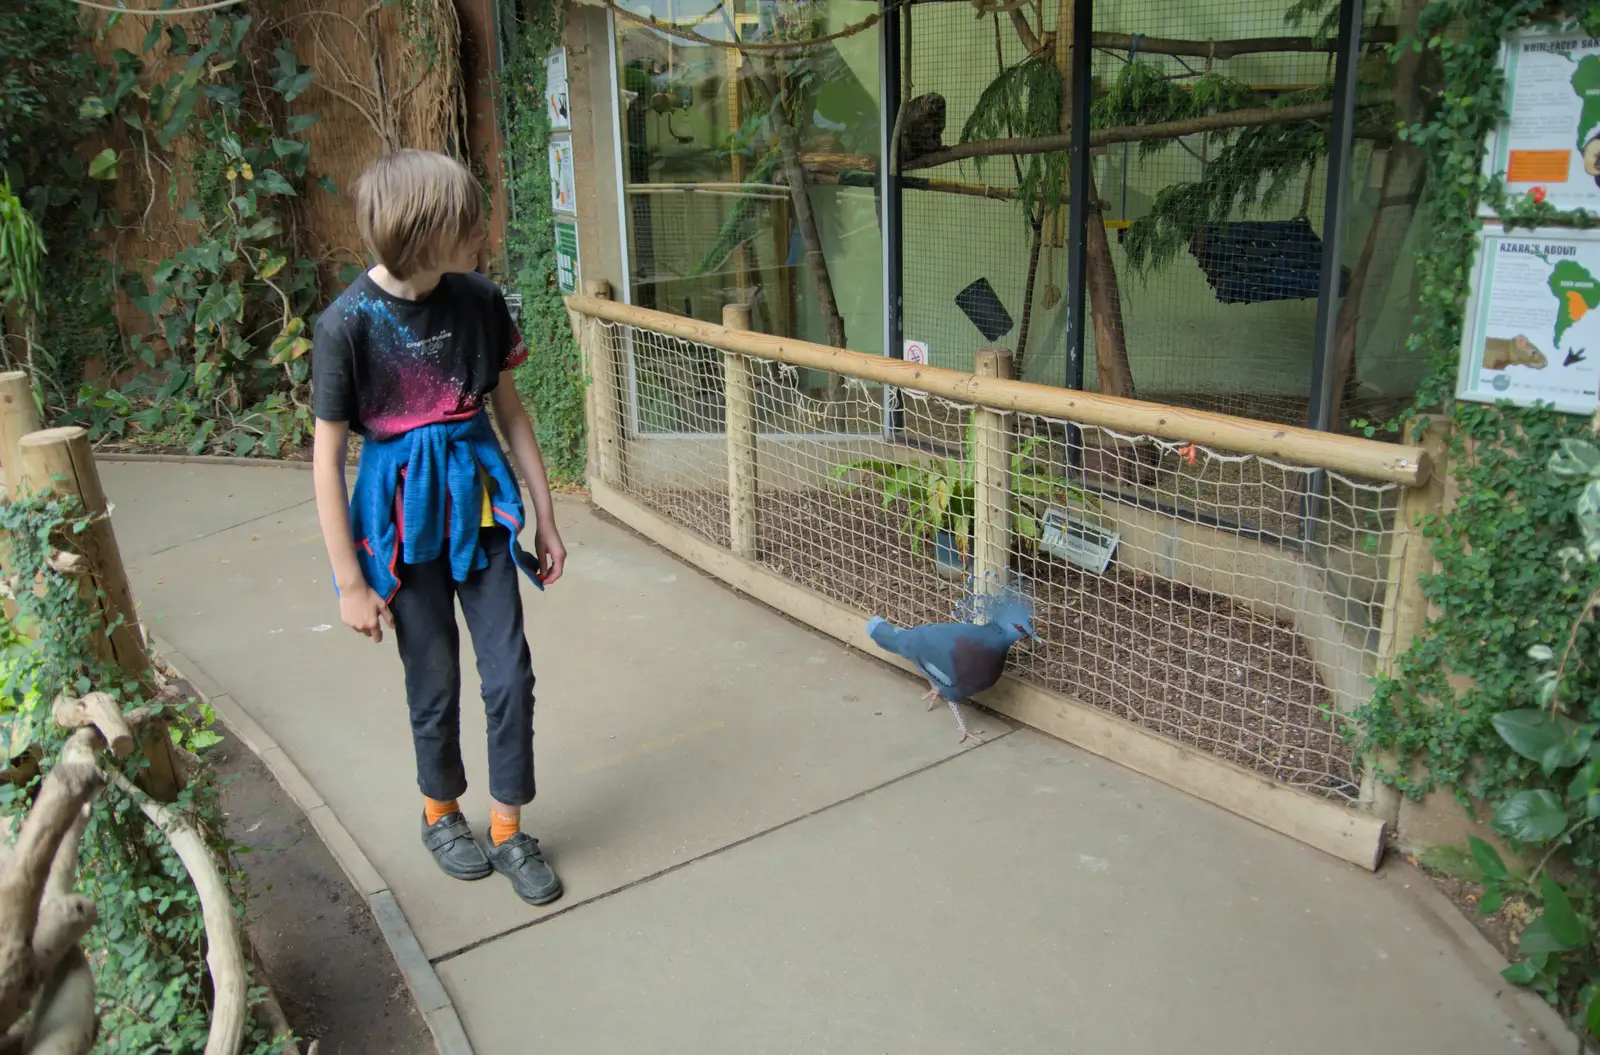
{"x":932,"y":694}
{"x":961,"y":724}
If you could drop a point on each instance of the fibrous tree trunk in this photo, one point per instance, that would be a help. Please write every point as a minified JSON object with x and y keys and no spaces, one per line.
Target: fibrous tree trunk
{"x":1105,"y":299}
{"x":805,"y":219}
{"x":1401,"y":186}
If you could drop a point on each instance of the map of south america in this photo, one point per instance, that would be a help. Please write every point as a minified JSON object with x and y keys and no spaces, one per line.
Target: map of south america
{"x":1586,"y":83}
{"x":1576,"y":292}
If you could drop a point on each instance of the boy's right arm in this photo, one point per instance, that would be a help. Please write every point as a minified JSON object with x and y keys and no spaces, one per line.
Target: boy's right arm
{"x":359,"y":605}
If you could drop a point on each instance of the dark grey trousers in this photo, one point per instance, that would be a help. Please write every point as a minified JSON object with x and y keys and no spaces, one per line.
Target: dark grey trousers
{"x":429,"y":640}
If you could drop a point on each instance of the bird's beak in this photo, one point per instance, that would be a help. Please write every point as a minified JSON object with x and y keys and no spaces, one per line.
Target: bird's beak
{"x":1037,"y":639}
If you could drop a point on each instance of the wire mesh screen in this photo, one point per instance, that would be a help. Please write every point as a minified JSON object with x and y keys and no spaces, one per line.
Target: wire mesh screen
{"x":1171,"y":582}
{"x":1205,"y":249}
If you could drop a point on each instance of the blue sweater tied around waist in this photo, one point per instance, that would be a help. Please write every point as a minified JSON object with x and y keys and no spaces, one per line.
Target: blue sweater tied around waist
{"x":441,"y":502}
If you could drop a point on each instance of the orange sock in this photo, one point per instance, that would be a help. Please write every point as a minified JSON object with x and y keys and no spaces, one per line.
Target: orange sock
{"x":434,"y":809}
{"x":502,"y":827}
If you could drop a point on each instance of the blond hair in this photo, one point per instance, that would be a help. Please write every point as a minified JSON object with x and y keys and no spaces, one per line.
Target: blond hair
{"x":414,"y":207}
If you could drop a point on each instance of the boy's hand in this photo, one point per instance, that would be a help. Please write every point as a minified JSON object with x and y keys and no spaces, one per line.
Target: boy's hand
{"x":550,"y":552}
{"x":364,"y":612}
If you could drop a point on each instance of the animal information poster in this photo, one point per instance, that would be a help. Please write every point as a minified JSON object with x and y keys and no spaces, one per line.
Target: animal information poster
{"x":1548,"y":146}
{"x":557,"y":100}
{"x":563,"y":189}
{"x":1532,"y":332}
{"x":567,"y":274}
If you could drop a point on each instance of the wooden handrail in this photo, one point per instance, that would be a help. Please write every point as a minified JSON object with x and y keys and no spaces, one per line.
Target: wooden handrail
{"x":1307,"y":447}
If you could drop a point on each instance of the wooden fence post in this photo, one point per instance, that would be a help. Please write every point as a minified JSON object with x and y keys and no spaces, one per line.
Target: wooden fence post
{"x":991,"y":481}
{"x":739,"y":403}
{"x":60,"y":461}
{"x":609,"y":441}
{"x":18,"y":417}
{"x":1405,"y":608}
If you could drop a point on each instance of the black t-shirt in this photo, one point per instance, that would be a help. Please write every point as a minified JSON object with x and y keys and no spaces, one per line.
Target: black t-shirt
{"x":388,"y":365}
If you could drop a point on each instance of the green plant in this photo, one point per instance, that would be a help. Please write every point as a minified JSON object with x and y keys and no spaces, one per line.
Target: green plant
{"x":21,"y":250}
{"x":148,"y":947}
{"x":230,"y":308}
{"x":1558,"y":737}
{"x":938,"y":493}
{"x":1497,"y":697}
{"x":552,"y":381}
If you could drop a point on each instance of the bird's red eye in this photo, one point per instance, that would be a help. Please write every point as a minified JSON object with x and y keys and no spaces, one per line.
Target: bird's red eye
{"x":1022,"y":628}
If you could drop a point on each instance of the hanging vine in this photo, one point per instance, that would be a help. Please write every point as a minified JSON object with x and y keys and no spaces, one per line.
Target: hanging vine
{"x":551,"y":381}
{"x":1517,"y":577}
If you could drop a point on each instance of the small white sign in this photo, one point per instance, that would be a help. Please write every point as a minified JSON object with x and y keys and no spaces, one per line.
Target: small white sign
{"x":558,"y":103}
{"x":915,"y":352}
{"x":1532,"y":332}
{"x":1069,"y":538}
{"x":563,"y":188}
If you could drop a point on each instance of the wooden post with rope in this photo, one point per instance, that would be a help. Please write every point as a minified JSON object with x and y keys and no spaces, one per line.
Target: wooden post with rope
{"x":739,"y":401}
{"x":991,"y":498}
{"x":1405,"y":609}
{"x":61,"y":462}
{"x":605,"y":379}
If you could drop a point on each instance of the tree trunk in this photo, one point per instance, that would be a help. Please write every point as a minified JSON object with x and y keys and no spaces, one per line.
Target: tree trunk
{"x":1100,"y":273}
{"x":1406,"y":169}
{"x":1105,"y":305}
{"x":805,"y":219}
{"x":1027,"y":300}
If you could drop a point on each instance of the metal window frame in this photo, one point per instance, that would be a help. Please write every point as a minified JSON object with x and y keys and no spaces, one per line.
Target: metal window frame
{"x":889,"y":75}
{"x":1341,"y":141}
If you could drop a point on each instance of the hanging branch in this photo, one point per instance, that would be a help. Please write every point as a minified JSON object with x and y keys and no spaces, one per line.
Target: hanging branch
{"x":1219,"y":50}
{"x":1257,"y":117}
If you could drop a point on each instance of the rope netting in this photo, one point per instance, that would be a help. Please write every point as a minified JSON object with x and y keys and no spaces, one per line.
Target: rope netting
{"x":1227,"y":601}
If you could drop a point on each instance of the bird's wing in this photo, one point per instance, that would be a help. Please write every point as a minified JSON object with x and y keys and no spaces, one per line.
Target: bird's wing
{"x":935,"y":673}
{"x":929,"y":647}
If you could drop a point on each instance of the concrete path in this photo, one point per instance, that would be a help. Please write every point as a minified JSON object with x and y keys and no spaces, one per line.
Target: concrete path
{"x":769,"y":845}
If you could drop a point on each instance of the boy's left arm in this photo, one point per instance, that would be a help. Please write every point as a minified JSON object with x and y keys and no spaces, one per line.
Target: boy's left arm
{"x":512,"y":417}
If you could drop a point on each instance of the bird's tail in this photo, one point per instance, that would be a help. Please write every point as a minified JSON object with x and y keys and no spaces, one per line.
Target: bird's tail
{"x":884,"y":633}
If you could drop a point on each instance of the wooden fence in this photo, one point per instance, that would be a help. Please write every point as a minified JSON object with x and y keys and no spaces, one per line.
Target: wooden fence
{"x":1214,"y":594}
{"x":61,"y":462}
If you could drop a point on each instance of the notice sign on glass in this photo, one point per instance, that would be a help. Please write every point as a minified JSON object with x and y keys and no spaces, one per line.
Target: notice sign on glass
{"x":567,"y":277}
{"x":1548,"y":145}
{"x":563,"y":186}
{"x":1532,"y":332}
{"x":557,"y":100}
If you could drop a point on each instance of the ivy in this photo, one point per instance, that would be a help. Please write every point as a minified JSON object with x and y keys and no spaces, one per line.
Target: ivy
{"x":227,"y":333}
{"x":148,"y":946}
{"x":552,"y":381}
{"x":1515,"y":588}
{"x":199,"y":125}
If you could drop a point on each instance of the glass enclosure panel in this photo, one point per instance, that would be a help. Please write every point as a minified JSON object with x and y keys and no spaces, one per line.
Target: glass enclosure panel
{"x":752,"y":179}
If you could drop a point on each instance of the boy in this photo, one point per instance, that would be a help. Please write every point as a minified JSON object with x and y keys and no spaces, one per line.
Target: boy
{"x":406,"y":357}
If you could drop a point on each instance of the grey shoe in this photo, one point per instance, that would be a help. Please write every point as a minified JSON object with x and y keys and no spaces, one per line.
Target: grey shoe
{"x":451,"y":843}
{"x":520,"y":860}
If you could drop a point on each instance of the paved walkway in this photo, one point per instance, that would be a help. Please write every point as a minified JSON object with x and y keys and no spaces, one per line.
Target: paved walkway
{"x":769,"y":845}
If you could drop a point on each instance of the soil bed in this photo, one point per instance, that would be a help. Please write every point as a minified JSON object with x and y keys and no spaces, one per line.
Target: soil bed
{"x":1196,"y":667}
{"x":324,"y":955}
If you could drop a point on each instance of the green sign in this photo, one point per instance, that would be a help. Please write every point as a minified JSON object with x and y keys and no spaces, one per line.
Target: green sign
{"x":567,"y":277}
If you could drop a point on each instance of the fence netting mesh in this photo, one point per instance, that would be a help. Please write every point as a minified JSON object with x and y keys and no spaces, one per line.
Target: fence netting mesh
{"x":1227,"y":601}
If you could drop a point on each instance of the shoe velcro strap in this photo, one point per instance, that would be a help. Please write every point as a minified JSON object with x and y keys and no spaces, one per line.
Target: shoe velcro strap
{"x":447,"y":833}
{"x":513,"y":853}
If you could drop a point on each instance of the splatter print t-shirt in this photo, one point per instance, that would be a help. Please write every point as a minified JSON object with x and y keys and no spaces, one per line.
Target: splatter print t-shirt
{"x":388,"y":365}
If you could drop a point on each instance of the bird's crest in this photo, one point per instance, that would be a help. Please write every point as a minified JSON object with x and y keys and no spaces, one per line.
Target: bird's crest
{"x":1008,"y":605}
